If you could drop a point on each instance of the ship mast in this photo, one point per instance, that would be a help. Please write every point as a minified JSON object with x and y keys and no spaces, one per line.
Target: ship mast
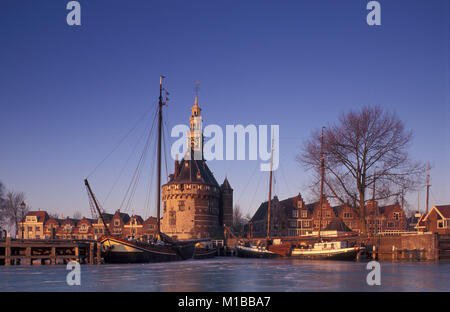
{"x":158,"y":186}
{"x":322,"y":173}
{"x":270,"y":192}
{"x":428,"y":186}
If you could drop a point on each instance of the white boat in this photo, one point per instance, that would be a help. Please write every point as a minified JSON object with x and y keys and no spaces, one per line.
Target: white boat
{"x":334,"y":250}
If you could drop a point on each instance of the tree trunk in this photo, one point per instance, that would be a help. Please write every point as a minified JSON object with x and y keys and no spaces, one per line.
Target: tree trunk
{"x":362,"y":213}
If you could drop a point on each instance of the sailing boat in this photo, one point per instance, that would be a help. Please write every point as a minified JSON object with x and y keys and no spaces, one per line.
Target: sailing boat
{"x":333,"y":250}
{"x":264,"y":249}
{"x":118,"y":250}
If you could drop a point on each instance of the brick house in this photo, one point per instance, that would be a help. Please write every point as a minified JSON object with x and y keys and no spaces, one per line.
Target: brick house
{"x":84,"y":229}
{"x":118,"y":221}
{"x":284,"y":218}
{"x":437,"y":220}
{"x":292,"y":217}
{"x":99,"y":227}
{"x":149,"y":228}
{"x":67,"y":229}
{"x":51,"y":227}
{"x":134,"y":227}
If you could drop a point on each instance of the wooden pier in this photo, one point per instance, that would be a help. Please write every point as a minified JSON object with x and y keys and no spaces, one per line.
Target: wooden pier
{"x":37,"y":252}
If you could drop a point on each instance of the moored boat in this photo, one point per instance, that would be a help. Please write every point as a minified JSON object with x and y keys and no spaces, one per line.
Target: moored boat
{"x":335,"y":250}
{"x":164,"y":248}
{"x":117,"y":250}
{"x":204,"y":250}
{"x":254,"y":252}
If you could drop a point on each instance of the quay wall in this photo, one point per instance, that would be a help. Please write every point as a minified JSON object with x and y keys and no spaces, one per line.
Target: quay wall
{"x":407,"y":247}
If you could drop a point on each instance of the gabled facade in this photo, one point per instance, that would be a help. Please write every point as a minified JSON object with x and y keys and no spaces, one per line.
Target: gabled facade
{"x":118,"y":222}
{"x":33,"y":225}
{"x":437,"y":220}
{"x":134,"y":228}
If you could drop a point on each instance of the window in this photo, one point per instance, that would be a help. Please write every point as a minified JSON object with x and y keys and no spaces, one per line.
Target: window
{"x":295,"y":213}
{"x":116,"y":222}
{"x":299,"y":204}
{"x":440,"y":224}
{"x":304,"y":214}
{"x":38,"y":228}
{"x":172,"y":218}
{"x":30,"y":229}
{"x":390,"y":224}
{"x":181,"y":205}
{"x":347,"y":215}
{"x":397,"y":216}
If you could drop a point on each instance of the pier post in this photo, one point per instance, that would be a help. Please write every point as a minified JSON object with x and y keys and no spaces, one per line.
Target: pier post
{"x":28,"y":255}
{"x":436,"y":247}
{"x":53,"y":256}
{"x":77,"y":253}
{"x":99,"y":255}
{"x":8,"y":251}
{"x":91,"y":253}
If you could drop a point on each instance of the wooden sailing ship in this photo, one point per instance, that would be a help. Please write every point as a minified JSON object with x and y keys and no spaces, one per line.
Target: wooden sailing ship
{"x":162,"y":248}
{"x":331,"y":250}
{"x":267,"y":248}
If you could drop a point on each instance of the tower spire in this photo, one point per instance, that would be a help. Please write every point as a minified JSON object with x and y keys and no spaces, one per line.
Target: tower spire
{"x":196,"y":131}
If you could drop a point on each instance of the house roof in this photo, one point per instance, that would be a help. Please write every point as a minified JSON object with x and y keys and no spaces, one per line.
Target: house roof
{"x":41,"y":215}
{"x":286,"y":204}
{"x":389,"y":209}
{"x":337,"y":225}
{"x":139,"y":219}
{"x":444,"y":210}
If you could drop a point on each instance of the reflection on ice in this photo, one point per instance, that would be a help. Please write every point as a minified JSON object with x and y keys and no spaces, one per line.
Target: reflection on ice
{"x":230,"y":274}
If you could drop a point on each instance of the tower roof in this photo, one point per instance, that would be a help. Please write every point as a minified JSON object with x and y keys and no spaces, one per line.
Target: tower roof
{"x":226,"y":185}
{"x":193,"y":171}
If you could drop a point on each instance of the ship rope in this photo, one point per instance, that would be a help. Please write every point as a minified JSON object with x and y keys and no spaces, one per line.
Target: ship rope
{"x":131,"y":190}
{"x":120,"y":142}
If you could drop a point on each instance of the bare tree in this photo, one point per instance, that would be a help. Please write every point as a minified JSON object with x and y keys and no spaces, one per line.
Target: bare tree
{"x":2,"y":205}
{"x":365,"y":150}
{"x":13,"y":211}
{"x":238,"y":219}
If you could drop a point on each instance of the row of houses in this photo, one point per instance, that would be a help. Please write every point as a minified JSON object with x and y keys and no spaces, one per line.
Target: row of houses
{"x":293,"y":217}
{"x":40,"y":225}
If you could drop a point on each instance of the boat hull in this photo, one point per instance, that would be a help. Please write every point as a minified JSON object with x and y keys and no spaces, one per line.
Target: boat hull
{"x":201,"y":253}
{"x":339,"y":254}
{"x":248,"y":252}
{"x":121,"y":251}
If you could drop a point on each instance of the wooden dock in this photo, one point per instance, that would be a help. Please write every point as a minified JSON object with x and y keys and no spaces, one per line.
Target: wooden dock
{"x":37,"y":252}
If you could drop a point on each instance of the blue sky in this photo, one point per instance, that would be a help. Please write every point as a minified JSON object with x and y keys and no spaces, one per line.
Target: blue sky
{"x":69,"y":94}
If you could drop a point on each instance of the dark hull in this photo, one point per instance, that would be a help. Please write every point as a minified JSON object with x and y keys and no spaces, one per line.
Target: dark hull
{"x":247,"y":253}
{"x":121,"y":251}
{"x":205,"y":254}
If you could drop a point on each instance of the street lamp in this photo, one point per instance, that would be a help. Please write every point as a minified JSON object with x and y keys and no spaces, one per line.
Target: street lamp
{"x":22,"y":207}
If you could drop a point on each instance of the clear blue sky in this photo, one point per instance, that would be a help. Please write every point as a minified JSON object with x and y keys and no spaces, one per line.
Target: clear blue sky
{"x":69,"y":94}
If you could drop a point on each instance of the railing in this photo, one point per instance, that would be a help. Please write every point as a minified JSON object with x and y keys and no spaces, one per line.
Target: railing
{"x":217,"y":243}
